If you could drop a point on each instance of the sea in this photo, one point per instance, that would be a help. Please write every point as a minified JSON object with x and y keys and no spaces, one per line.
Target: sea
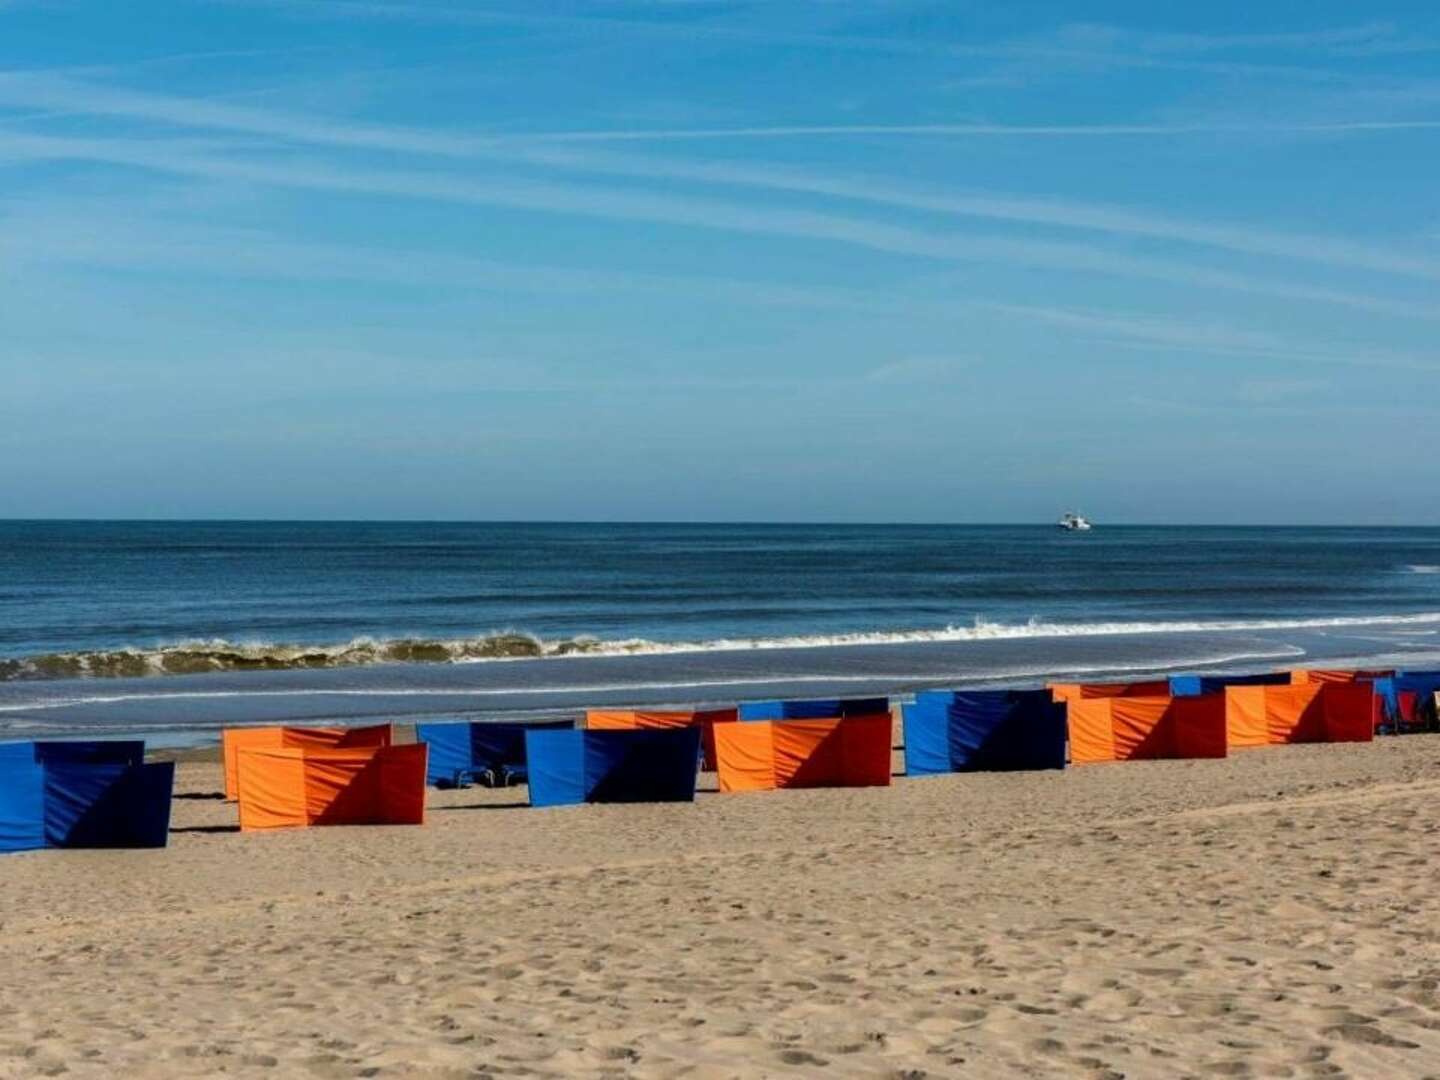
{"x":173,"y":630}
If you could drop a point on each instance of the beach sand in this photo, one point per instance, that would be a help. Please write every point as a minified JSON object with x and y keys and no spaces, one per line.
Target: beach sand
{"x":1273,"y":914}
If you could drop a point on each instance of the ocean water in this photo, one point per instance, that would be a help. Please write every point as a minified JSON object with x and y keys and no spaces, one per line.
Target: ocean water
{"x":176,"y":628}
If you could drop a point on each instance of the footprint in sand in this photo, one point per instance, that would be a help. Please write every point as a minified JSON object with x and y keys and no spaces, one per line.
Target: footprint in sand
{"x":1369,"y":1035}
{"x":801,"y":1057}
{"x":1228,"y":1068}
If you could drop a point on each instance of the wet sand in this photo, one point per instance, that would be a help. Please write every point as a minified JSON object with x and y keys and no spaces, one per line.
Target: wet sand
{"x":1273,"y":914}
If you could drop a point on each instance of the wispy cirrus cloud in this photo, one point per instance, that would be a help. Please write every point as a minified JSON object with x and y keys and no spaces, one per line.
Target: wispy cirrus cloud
{"x":58,"y":93}
{"x":140,"y":235}
{"x":1215,"y":338}
{"x":687,"y":211}
{"x":1006,"y":131}
{"x":63,"y":94}
{"x":1082,"y":46}
{"x":683,"y":210}
{"x":1322,"y":39}
{"x":919,"y":369}
{"x":1065,"y":214}
{"x":144,"y":236}
{"x":1265,"y":391}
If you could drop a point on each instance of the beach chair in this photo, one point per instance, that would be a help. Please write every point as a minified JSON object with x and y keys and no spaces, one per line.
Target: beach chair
{"x":491,"y":754}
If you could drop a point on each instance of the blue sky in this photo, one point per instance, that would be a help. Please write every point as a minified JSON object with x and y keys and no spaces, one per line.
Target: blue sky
{"x":710,"y":259}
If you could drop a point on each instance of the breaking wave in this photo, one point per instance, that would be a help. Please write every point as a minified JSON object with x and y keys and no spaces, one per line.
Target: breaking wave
{"x":197,"y":657}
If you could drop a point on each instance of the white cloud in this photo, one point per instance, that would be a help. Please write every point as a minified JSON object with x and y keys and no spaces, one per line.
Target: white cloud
{"x":918,"y":369}
{"x":1083,"y":46}
{"x":1067,"y":214}
{"x":674,"y":210}
{"x":1266,"y":391}
{"x":134,"y":236}
{"x":1218,"y":338}
{"x":64,"y":94}
{"x":1061,"y":131}
{"x":1306,"y":41}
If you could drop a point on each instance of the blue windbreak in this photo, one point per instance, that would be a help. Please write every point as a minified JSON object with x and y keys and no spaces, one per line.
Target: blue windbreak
{"x":814,"y":709}
{"x":647,"y":765}
{"x":983,"y":730}
{"x":93,"y":751}
{"x":449,"y":755}
{"x":82,"y":794}
{"x":102,"y":805}
{"x":22,"y":798}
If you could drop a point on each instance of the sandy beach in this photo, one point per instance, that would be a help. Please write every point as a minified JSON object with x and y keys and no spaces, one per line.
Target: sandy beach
{"x":1273,"y":914}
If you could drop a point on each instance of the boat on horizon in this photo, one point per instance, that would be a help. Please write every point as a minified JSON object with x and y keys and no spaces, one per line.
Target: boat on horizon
{"x":1071,"y":521}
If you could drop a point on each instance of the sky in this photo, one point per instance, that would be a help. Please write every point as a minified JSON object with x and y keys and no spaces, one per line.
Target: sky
{"x":838,"y":260}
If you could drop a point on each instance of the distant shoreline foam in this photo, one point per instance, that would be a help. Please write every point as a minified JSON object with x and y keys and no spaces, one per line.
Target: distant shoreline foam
{"x":198,"y":657}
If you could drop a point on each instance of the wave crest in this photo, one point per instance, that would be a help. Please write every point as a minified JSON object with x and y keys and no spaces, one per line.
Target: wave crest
{"x":198,"y":657}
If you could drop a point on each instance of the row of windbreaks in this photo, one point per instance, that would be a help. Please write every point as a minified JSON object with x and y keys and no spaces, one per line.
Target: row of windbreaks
{"x":103,"y":794}
{"x":996,"y":730}
{"x":1132,"y":728}
{"x":653,"y":756}
{"x":317,"y":776}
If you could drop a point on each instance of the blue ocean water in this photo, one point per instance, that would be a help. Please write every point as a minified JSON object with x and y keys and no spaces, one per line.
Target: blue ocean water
{"x":178,"y":626}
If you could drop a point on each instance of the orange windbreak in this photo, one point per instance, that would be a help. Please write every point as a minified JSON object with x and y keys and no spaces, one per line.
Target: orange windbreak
{"x":341,"y":786}
{"x":1138,"y":728}
{"x":233,"y":740}
{"x":705,"y":719}
{"x":759,"y":755}
{"x":283,"y":787}
{"x":1299,"y":712}
{"x":745,"y":755}
{"x":1293,"y":713}
{"x":1092,"y":735}
{"x":270,"y":784}
{"x":1301,"y":676}
{"x":1245,"y":716}
{"x":1068,"y":692}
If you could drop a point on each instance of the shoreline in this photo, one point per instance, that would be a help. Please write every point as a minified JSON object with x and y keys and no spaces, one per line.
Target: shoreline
{"x":183,"y":710}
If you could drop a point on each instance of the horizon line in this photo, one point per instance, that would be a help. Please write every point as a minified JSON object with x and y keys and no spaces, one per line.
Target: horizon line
{"x":671,"y":522}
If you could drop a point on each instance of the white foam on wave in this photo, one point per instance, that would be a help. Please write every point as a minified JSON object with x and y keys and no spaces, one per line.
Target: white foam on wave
{"x":1423,"y":568}
{"x":668,"y":686}
{"x":418,"y":692}
{"x":982,"y":630}
{"x":200,"y":657}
